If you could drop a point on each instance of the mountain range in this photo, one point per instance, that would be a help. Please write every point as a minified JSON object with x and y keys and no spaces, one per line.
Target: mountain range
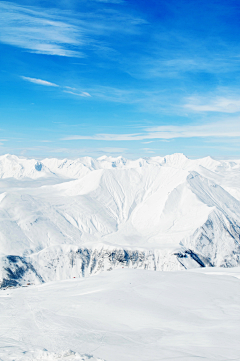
{"x":61,"y":219}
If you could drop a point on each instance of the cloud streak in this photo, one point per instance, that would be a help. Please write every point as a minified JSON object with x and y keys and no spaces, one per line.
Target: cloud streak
{"x":229,"y":128}
{"x":82,"y":94}
{"x":39,"y":81}
{"x":49,"y":84}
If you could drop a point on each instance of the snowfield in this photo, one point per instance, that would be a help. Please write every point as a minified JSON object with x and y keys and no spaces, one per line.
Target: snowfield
{"x":125,"y":315}
{"x":62,"y":221}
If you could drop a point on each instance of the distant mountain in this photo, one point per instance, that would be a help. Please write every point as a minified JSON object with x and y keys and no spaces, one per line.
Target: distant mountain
{"x":71,"y":218}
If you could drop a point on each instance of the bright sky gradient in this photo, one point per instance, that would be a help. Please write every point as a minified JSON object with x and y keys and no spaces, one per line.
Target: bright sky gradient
{"x":132,"y":78}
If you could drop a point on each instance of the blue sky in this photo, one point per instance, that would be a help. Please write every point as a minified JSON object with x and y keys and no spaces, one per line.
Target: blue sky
{"x":132,"y":78}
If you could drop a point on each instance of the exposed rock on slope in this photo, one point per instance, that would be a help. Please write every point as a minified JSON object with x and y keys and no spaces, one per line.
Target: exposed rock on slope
{"x":57,"y":263}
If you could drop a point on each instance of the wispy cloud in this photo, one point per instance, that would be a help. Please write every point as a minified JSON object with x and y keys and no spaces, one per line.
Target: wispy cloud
{"x":148,"y":150}
{"x":37,"y":31}
{"x":227,"y":128}
{"x":172,"y":66}
{"x":216,"y":104}
{"x":150,"y":100}
{"x":144,"y":100}
{"x":177,"y":54}
{"x":82,"y":94}
{"x":53,"y":32}
{"x":39,"y":81}
{"x":48,"y":83}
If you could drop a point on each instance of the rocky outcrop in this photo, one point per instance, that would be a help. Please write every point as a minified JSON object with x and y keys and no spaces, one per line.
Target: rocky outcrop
{"x":59,"y":263}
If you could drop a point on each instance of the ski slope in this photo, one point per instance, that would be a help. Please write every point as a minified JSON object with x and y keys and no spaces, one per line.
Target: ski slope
{"x":73,"y":218}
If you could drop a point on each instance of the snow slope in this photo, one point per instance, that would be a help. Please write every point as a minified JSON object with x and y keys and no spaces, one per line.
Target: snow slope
{"x":71,"y":218}
{"x":125,"y":315}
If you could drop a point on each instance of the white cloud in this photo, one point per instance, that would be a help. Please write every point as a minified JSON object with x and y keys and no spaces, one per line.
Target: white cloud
{"x":105,"y":137}
{"x":216,"y":104}
{"x":69,"y":87}
{"x":86,"y":94}
{"x":47,"y":83}
{"x":227,"y":128}
{"x":82,"y":94}
{"x":177,"y":66}
{"x":53,"y":32}
{"x":39,"y":81}
{"x":37,"y":31}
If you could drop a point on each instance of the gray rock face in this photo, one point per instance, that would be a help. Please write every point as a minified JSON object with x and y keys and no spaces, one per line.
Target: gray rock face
{"x":18,"y":271}
{"x":38,"y":166}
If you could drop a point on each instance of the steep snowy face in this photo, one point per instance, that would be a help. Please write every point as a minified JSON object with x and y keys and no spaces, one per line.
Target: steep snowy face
{"x":159,"y":213}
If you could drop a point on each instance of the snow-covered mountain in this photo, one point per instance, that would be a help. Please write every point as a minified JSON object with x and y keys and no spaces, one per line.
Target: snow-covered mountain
{"x":71,"y":218}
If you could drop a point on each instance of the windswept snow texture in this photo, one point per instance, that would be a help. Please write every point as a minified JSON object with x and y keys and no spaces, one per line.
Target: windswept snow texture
{"x":125,"y":315}
{"x":61,"y":219}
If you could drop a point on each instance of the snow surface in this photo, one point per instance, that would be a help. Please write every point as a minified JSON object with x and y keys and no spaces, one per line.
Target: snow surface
{"x":72,"y":218}
{"x":130,"y":315}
